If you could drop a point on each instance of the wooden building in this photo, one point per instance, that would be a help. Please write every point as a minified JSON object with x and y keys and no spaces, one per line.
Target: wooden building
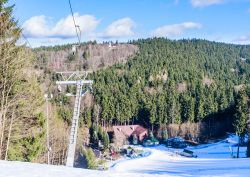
{"x":122,"y":134}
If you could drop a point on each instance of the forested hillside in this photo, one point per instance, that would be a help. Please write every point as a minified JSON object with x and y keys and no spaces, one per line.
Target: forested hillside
{"x":188,"y":87}
{"x":171,"y":82}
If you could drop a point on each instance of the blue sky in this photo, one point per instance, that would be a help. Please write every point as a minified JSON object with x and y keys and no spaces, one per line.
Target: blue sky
{"x":48,"y":22}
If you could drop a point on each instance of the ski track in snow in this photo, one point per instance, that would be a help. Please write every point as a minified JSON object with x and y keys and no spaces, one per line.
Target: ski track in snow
{"x":213,"y":160}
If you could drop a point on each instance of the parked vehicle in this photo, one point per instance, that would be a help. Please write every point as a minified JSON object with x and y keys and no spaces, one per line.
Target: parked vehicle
{"x":187,"y":153}
{"x":176,"y":142}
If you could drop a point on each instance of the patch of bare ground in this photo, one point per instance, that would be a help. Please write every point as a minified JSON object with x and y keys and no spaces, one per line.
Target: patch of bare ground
{"x":182,"y":87}
{"x":153,"y":90}
{"x":207,"y":81}
{"x":162,"y":76}
{"x":120,"y":72}
{"x":239,"y":87}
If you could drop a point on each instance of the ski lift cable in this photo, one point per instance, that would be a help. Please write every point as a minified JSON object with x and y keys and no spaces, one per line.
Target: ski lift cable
{"x":76,"y":26}
{"x":22,"y":34}
{"x":26,"y":39}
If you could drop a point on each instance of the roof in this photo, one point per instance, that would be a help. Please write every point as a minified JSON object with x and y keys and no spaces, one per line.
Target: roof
{"x":128,"y":130}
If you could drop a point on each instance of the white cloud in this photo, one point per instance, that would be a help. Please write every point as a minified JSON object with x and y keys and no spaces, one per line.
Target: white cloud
{"x":120,"y":28}
{"x":203,"y":3}
{"x":36,"y":27}
{"x":245,"y":39}
{"x":175,"y":29}
{"x":42,"y":26}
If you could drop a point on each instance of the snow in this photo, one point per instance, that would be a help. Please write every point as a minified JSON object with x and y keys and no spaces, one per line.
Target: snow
{"x":213,"y":160}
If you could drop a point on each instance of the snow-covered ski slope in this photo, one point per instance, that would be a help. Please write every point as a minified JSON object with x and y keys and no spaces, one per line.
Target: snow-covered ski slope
{"x":213,"y":160}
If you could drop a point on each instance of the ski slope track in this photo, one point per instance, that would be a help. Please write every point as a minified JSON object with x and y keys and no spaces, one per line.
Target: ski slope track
{"x":213,"y":160}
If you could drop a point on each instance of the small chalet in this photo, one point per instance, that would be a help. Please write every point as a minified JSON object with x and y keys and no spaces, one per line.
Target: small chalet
{"x":122,"y":134}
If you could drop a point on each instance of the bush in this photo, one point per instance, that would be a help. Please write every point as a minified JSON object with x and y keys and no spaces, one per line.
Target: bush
{"x":65,"y":114}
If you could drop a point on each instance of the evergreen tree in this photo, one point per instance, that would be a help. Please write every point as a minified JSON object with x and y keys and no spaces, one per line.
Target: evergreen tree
{"x":241,"y":117}
{"x":151,"y":107}
{"x":94,"y":139}
{"x":90,"y":158}
{"x":105,"y":140}
{"x":164,"y":134}
{"x":199,"y":106}
{"x":248,"y":142}
{"x":248,"y":122}
{"x":222,"y":101}
{"x":190,"y":111}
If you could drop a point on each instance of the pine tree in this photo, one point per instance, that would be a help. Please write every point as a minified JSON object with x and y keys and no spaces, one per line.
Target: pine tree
{"x":164,"y":134}
{"x":152,"y":111}
{"x":248,"y":142}
{"x":160,"y":111}
{"x":184,"y":100}
{"x":199,"y":106}
{"x":105,"y":140}
{"x":248,"y":122}
{"x":241,"y":117}
{"x":209,"y":105}
{"x":94,"y":139}
{"x":92,"y":162}
{"x":222,"y":100}
{"x":190,"y":113}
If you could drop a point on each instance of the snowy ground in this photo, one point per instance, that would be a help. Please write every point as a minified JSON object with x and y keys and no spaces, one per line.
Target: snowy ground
{"x":213,"y":160}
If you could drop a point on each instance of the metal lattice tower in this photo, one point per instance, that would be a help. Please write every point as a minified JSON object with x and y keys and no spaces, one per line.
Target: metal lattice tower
{"x":67,"y":79}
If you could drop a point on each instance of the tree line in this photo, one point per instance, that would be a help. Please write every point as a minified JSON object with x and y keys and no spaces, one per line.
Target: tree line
{"x":170,"y":81}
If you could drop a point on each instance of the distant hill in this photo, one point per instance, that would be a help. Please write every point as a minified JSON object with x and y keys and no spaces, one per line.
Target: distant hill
{"x":172,"y":82}
{"x":154,"y":82}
